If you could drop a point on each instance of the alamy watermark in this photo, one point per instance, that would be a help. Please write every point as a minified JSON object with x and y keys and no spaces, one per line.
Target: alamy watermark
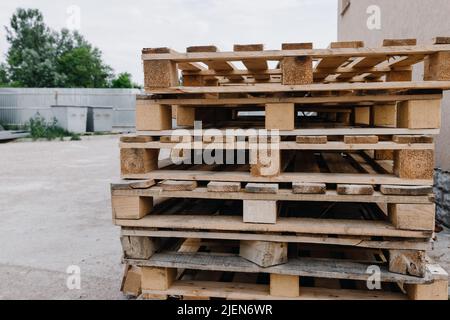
{"x":374,"y":18}
{"x":73,"y":281}
{"x":73,"y":21}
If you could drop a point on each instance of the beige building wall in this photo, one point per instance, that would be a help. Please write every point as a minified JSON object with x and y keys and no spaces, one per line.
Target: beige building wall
{"x":420,"y":19}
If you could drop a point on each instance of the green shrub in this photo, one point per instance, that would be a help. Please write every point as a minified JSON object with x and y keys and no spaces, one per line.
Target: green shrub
{"x":41,"y":129}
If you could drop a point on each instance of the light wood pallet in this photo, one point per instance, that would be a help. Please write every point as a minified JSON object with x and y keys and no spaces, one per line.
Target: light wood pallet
{"x":408,"y":167}
{"x":296,"y":63}
{"x":389,"y":104}
{"x":403,"y":229}
{"x":194,"y":269}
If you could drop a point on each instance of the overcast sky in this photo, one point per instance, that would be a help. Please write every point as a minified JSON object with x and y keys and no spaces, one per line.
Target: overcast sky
{"x":122,"y":28}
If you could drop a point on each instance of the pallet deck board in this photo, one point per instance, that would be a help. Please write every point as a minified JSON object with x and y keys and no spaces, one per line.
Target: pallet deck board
{"x":292,"y":225}
{"x":303,"y":267}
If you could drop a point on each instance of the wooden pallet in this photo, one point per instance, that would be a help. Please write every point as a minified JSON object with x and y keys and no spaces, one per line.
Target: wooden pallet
{"x":408,"y":167}
{"x":342,"y":62}
{"x":155,"y":114}
{"x":404,"y":230}
{"x":197,"y":269}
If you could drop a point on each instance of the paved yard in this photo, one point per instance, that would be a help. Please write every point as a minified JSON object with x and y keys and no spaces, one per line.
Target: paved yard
{"x":55,"y":212}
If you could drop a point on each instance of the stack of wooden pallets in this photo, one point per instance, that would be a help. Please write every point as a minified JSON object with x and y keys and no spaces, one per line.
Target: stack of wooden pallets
{"x":333,"y":200}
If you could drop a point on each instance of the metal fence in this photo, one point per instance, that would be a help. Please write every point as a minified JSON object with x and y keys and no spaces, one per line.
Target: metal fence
{"x":18,"y":105}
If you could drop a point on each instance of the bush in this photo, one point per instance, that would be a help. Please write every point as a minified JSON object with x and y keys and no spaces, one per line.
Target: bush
{"x":41,"y":129}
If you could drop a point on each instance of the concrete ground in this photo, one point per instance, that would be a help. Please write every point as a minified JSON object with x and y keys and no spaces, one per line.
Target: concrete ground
{"x":55,"y":212}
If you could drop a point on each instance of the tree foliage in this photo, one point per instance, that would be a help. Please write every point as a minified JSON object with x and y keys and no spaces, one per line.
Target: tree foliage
{"x":40,"y":57}
{"x":123,"y":81}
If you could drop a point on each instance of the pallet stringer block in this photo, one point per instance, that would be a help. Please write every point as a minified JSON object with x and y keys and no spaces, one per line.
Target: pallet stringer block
{"x":284,"y":285}
{"x":437,"y":66}
{"x":131,"y":207}
{"x":419,"y":114}
{"x":138,"y":160}
{"x":414,"y":164}
{"x":159,"y":73}
{"x":150,"y":116}
{"x":297,"y":70}
{"x":142,"y":248}
{"x":260,"y":211}
{"x":158,"y":279}
{"x":408,"y":262}
{"x":280,"y":116}
{"x":413,"y":216}
{"x":263,"y":253}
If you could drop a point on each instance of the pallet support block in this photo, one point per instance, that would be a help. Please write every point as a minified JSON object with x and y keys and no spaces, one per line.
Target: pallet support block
{"x":138,"y":161}
{"x":131,"y":207}
{"x":408,"y":262}
{"x":414,"y":164}
{"x":158,"y":279}
{"x":139,"y":247}
{"x":265,"y":162}
{"x":419,"y":114}
{"x":437,"y":67}
{"x":159,"y":73}
{"x":185,"y":116}
{"x":284,"y":286}
{"x":385,"y":115}
{"x":260,"y":211}
{"x":438,"y":290}
{"x":362,"y":115}
{"x":151,"y":116}
{"x":280,"y":116}
{"x":263,"y":253}
{"x":297,"y":70}
{"x":131,"y":285}
{"x":413,"y":216}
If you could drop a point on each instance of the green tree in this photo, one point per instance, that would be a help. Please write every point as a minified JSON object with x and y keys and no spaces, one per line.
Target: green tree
{"x":40,"y":57}
{"x":3,"y":75}
{"x":31,"y":54}
{"x":123,"y":80}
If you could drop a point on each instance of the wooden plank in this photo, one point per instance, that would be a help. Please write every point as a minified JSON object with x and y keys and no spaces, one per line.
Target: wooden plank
{"x":262,"y":188}
{"x":309,"y":188}
{"x":254,"y":64}
{"x":259,"y":211}
{"x":264,"y":254}
{"x":353,"y":189}
{"x":412,"y":139}
{"x":218,"y":186}
{"x":306,"y":132}
{"x":367,"y":98}
{"x":285,"y":194}
{"x":360,"y":139}
{"x":327,"y":268}
{"x":242,"y":291}
{"x":315,"y":53}
{"x":312,"y":139}
{"x":297,"y":225}
{"x":213,"y":64}
{"x":176,"y":185}
{"x":287,"y":177}
{"x":262,"y":88}
{"x":406,"y":190}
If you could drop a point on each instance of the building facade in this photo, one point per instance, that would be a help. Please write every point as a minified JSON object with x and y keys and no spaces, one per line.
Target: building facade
{"x":375,"y":20}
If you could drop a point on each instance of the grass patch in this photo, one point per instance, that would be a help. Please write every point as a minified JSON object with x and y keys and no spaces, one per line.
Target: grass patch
{"x":41,"y":129}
